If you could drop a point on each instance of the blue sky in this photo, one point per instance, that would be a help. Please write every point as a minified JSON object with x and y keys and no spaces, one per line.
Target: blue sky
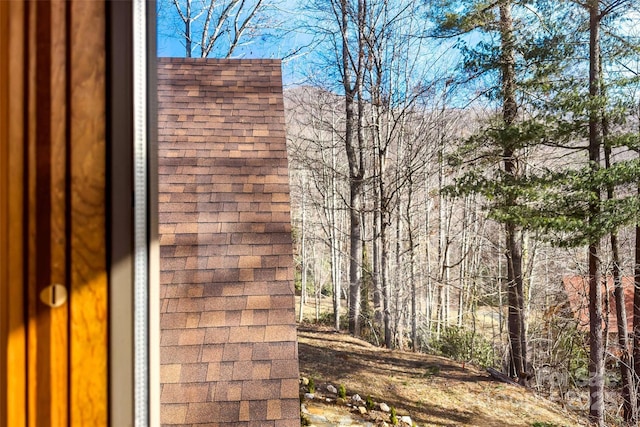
{"x":279,"y":46}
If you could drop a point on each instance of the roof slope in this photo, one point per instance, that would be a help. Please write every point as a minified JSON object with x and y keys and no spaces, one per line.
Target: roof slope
{"x":228,"y":334}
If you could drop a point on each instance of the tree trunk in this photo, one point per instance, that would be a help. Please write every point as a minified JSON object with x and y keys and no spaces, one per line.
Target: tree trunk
{"x":303,"y":251}
{"x":365,"y":290}
{"x":500,"y":296}
{"x":386,"y":288}
{"x":383,"y":298}
{"x":442,"y":245}
{"x":355,"y":257}
{"x":626,"y":373}
{"x":513,"y":240}
{"x":336,"y":277}
{"x":412,"y":276}
{"x":464,"y":272}
{"x":187,"y":30}
{"x":353,"y":149}
{"x":630,"y":408}
{"x":389,"y":328}
{"x":428,"y":313}
{"x":636,"y":314}
{"x":317,"y":286}
{"x":515,"y":299}
{"x":596,"y":351}
{"x":636,"y":305}
{"x":377,"y":286}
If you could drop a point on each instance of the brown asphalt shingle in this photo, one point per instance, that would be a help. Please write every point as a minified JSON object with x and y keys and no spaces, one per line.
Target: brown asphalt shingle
{"x":228,"y":337}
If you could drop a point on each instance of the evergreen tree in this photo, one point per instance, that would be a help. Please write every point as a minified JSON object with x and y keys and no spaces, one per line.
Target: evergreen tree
{"x":568,"y":205}
{"x":506,"y":68}
{"x":566,"y":116}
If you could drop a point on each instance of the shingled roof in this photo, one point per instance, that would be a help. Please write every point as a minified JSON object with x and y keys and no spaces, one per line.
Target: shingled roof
{"x":228,"y":336}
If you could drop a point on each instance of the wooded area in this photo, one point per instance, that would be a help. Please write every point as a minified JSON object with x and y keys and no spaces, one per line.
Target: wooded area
{"x":453,"y":163}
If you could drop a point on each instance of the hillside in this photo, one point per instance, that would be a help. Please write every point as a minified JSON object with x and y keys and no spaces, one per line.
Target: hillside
{"x":432,"y":390}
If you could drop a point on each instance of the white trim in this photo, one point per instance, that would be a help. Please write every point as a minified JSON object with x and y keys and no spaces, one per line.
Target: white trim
{"x":140,"y":226}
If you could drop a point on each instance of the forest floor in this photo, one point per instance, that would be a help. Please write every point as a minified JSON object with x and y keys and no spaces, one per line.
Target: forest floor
{"x":432,"y":390}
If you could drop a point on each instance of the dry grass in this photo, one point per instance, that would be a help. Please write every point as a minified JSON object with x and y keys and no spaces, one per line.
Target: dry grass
{"x":434,"y":391}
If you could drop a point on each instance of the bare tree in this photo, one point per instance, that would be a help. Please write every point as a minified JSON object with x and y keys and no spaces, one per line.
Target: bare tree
{"x":216,"y":27}
{"x":350,"y":53}
{"x":314,"y":121}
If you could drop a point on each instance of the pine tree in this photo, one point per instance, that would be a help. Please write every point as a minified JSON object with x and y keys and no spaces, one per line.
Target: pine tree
{"x":568,"y":204}
{"x":504,"y":139}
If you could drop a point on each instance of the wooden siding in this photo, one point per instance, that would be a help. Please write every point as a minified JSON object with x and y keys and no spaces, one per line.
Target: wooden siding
{"x":577,"y":290}
{"x":12,"y":327}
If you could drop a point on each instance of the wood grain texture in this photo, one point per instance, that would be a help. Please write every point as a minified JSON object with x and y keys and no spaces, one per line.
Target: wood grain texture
{"x":16,"y":344}
{"x":88,"y":299}
{"x":4,"y":204}
{"x":52,"y":162}
{"x":46,"y":185}
{"x":12,"y":328}
{"x":59,"y":355}
{"x":4,"y":200}
{"x":37,"y":410}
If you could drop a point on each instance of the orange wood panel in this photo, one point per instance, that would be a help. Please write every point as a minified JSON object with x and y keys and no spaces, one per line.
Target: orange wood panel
{"x":12,"y":328}
{"x":59,"y":357}
{"x":36,"y":411}
{"x":16,"y":344}
{"x":46,"y":178}
{"x":4,"y":202}
{"x":88,"y":302}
